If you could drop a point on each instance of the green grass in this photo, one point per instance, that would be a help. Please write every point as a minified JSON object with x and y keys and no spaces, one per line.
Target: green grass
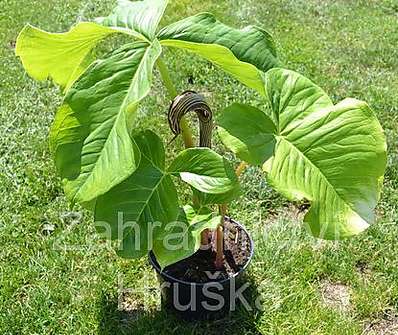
{"x":348,"y":47}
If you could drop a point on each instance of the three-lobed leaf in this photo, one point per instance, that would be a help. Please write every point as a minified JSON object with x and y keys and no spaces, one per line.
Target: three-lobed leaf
{"x":143,"y":212}
{"x":90,"y":135}
{"x":64,"y":57}
{"x":332,"y":155}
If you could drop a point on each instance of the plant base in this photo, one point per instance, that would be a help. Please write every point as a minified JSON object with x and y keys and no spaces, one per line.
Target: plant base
{"x":195,"y":289}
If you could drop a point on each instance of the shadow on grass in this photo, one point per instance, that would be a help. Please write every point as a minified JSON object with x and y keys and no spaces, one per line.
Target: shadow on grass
{"x":139,"y":321}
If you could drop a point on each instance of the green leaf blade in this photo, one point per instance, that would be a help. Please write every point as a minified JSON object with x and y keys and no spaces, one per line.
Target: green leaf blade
{"x":93,"y":126}
{"x":62,"y":57}
{"x":248,"y":133}
{"x":251,"y":44}
{"x":243,"y":53}
{"x":138,"y":209}
{"x":221,"y":56}
{"x":140,"y":17}
{"x":185,"y":239}
{"x":142,"y":212}
{"x":332,"y":155}
{"x":206,"y":171}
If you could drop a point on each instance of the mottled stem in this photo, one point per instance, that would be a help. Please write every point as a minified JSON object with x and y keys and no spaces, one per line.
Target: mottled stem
{"x":220,"y":238}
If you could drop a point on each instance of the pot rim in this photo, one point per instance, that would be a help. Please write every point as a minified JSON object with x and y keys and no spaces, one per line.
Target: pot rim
{"x":152,"y":260}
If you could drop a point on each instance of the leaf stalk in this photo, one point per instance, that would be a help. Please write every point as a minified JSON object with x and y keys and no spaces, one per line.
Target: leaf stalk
{"x":220,"y":238}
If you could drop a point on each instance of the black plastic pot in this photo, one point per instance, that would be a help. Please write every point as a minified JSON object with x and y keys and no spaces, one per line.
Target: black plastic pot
{"x":198,"y":301}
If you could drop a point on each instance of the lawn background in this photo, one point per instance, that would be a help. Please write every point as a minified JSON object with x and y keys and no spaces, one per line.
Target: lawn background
{"x":349,"y":48}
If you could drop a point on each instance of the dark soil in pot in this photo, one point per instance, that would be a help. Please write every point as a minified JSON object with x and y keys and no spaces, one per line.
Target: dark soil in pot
{"x":195,"y":289}
{"x":237,"y":250}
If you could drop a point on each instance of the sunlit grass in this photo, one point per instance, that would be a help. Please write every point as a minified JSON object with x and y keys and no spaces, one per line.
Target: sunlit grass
{"x":347,"y":47}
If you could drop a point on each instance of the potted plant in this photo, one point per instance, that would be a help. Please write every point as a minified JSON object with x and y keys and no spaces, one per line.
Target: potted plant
{"x":334,"y":156}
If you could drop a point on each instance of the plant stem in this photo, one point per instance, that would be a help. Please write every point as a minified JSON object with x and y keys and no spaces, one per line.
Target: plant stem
{"x":168,"y":83}
{"x":166,"y":78}
{"x":239,"y":170}
{"x":219,"y":232}
{"x":220,"y":238}
{"x":186,"y":133}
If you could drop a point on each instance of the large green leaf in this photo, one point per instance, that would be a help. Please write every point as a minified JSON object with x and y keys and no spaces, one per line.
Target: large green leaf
{"x":206,"y":171}
{"x":140,"y":17}
{"x":62,"y":56}
{"x":142,"y":211}
{"x":332,"y":155}
{"x":138,"y":209}
{"x":240,"y":53}
{"x":184,"y":238}
{"x":91,"y":133}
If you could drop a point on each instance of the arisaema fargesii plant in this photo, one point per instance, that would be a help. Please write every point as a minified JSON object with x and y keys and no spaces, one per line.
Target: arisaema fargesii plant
{"x":332,"y":155}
